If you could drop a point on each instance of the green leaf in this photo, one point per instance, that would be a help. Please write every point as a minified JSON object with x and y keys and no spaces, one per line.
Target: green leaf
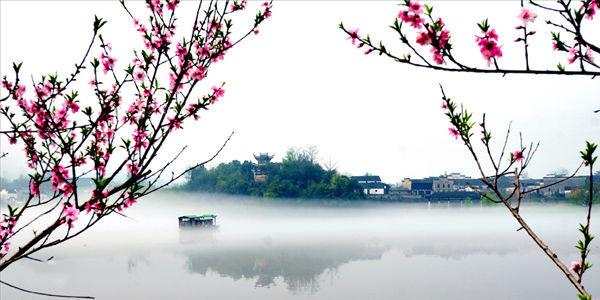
{"x":428,"y":9}
{"x":98,"y":23}
{"x":17,"y":67}
{"x":584,"y":297}
{"x":484,"y":25}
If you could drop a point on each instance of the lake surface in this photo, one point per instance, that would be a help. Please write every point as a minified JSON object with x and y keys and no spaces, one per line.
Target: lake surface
{"x":265,"y":249}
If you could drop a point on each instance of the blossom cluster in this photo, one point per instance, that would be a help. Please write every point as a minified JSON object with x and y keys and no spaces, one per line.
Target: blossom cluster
{"x":589,"y":8}
{"x":432,"y":33}
{"x":526,"y":16}
{"x":62,"y":141}
{"x":69,"y":214}
{"x":461,"y":126}
{"x":488,"y":43}
{"x":7,"y":225}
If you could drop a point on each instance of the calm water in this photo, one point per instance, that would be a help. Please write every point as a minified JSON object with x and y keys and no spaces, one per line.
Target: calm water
{"x":291,"y":251}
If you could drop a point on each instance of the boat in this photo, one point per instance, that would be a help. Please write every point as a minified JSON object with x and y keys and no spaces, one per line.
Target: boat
{"x":206,"y":220}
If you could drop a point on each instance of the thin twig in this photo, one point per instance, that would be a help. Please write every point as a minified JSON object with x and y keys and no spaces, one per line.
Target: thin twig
{"x":45,"y":294}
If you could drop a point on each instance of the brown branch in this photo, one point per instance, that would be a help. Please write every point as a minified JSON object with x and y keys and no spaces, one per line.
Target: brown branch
{"x":514,"y":211}
{"x":45,"y":294}
{"x":556,"y":182}
{"x":173,"y":178}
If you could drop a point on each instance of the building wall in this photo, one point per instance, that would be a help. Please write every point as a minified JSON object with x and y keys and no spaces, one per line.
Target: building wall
{"x":374,"y":191}
{"x":443,"y":185}
{"x":565,"y":186}
{"x":406,"y":183}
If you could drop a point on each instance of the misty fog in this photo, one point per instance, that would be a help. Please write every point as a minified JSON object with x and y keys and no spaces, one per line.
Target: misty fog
{"x":286,"y":249}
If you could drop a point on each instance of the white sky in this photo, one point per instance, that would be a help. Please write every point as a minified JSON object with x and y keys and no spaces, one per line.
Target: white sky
{"x":300,"y":82}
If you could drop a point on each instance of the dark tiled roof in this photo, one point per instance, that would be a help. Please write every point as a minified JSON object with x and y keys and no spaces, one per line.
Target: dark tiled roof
{"x":373,"y":185}
{"x":421,"y":184}
{"x":455,"y":196}
{"x":366,"y":178}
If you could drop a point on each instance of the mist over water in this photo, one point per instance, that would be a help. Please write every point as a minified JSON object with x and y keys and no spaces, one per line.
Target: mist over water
{"x":286,"y":249}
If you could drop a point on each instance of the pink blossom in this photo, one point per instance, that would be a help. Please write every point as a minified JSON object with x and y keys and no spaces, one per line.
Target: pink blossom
{"x":415,"y":7}
{"x":235,"y":6}
{"x":34,"y":188}
{"x":576,"y":266}
{"x":140,"y":27}
{"x":180,"y":51}
{"x":133,"y":168}
{"x":155,"y":6}
{"x":58,"y":177}
{"x":174,"y":123}
{"x":94,"y":205}
{"x":454,"y":132}
{"x":353,"y":35}
{"x":573,"y":54}
{"x":488,"y":46}
{"x":173,"y":81}
{"x":6,"y":227}
{"x":527,"y":16}
{"x":139,"y":74}
{"x":590,"y":7}
{"x":267,"y":11}
{"x":108,"y":62}
{"x":66,"y":189}
{"x":140,"y":139}
{"x":172,"y":4}
{"x":444,"y":37}
{"x":198,"y":73}
{"x":20,"y":90}
{"x":110,"y":133}
{"x":588,"y":54}
{"x":217,"y":93}
{"x":437,"y":56}
{"x":438,"y":39}
{"x":423,"y":38}
{"x":73,"y":106}
{"x":415,"y":20}
{"x":518,"y":155}
{"x":7,"y":85}
{"x":6,"y":231}
{"x":70,"y":213}
{"x":79,"y":161}
{"x":192,"y":110}
{"x":444,"y":105}
{"x":129,"y":201}
{"x":42,"y":91}
{"x":4,"y":249}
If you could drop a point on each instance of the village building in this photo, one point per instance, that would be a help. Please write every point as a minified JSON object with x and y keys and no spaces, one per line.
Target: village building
{"x":259,"y":168}
{"x":371,"y":185}
{"x":442,"y":185}
{"x":561,"y":185}
{"x":422,"y":187}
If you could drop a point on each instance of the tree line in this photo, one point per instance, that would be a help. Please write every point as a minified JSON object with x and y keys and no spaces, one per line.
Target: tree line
{"x":299,"y":175}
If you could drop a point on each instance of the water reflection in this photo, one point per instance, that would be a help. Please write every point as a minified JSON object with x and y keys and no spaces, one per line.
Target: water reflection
{"x":289,"y":251}
{"x":134,"y":261}
{"x":298,"y":264}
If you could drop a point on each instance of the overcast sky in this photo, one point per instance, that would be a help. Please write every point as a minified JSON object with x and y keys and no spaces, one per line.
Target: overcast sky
{"x":300,"y":82}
